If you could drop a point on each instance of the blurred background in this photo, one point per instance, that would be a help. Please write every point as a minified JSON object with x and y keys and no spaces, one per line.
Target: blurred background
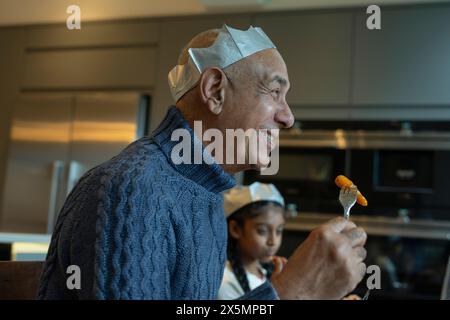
{"x":371,"y":104}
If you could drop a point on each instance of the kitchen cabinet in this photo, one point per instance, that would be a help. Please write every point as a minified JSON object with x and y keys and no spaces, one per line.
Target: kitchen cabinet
{"x":317,"y":49}
{"x":93,"y":34}
{"x":100,"y":68}
{"x":407,"y":62}
{"x":101,"y":55}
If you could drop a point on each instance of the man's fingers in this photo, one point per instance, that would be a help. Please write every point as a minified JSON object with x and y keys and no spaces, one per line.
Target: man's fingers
{"x":340,"y":224}
{"x":357,"y":236}
{"x":362,"y":270}
{"x":360,"y":253}
{"x":350,"y":225}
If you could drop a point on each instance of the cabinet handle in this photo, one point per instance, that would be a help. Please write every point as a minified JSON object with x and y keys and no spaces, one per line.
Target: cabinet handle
{"x":57,"y":169}
{"x":74,"y":174}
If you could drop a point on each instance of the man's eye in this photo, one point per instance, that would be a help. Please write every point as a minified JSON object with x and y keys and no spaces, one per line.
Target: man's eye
{"x":275,"y":94}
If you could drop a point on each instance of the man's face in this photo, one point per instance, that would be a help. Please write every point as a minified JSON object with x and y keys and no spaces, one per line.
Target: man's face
{"x":256,"y":99}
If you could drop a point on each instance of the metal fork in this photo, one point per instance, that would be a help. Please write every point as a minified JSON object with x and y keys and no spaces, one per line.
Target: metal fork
{"x":347,"y":198}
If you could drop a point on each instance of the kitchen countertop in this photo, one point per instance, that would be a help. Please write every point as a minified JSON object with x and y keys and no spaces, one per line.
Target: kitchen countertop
{"x":377,"y":225}
{"x":11,"y":237}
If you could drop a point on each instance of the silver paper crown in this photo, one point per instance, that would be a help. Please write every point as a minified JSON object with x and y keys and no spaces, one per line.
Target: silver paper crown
{"x":240,"y":196}
{"x":230,"y":46}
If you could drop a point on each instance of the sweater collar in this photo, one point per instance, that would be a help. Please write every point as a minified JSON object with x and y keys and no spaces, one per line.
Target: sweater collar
{"x":211,"y":176}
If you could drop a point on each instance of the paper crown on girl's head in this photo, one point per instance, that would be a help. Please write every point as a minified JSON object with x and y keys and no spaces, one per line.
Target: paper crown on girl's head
{"x":240,"y":196}
{"x":230,"y":46}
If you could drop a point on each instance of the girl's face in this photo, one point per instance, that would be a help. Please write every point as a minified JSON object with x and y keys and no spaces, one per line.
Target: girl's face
{"x":259,"y":238}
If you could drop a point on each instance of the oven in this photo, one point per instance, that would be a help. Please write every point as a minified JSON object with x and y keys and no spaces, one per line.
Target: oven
{"x":403,"y":169}
{"x":412,"y":256}
{"x":404,"y":182}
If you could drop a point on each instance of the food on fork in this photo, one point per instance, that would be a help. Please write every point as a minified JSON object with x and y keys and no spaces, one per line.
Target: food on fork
{"x":344,"y":182}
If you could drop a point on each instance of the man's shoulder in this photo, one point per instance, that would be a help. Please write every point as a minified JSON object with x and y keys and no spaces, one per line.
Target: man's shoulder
{"x":140,"y":171}
{"x":140,"y":159}
{"x":141,"y":167}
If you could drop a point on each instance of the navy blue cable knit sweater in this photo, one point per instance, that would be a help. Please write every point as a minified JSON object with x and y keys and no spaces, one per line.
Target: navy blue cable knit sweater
{"x":141,"y":227}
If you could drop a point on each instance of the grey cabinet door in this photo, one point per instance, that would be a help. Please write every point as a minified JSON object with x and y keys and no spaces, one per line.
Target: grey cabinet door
{"x":93,"y":35}
{"x":98,"y":68}
{"x":407,"y":62}
{"x":316,"y":47}
{"x":102,"y":55}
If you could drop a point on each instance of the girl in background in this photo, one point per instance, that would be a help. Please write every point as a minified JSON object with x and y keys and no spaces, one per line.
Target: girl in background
{"x":255,"y":217}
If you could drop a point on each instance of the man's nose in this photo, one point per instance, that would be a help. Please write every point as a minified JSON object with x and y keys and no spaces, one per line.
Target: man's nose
{"x":285,"y":117}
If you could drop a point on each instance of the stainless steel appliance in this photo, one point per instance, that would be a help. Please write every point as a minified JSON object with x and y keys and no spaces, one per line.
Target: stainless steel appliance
{"x":55,"y":138}
{"x":412,"y":257}
{"x":403,"y":169}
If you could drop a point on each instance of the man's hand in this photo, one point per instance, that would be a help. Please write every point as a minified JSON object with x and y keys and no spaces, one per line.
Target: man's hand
{"x":327,"y":265}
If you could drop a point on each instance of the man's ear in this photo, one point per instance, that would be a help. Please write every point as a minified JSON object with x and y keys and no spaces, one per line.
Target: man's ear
{"x":212,"y":89}
{"x":234,"y":229}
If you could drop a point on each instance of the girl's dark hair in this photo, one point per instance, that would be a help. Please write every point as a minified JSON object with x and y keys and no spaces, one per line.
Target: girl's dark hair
{"x":250,"y":211}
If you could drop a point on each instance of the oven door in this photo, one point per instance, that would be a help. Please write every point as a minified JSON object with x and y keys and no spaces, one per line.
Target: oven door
{"x":306,"y":177}
{"x":410,"y":184}
{"x":412,"y":257}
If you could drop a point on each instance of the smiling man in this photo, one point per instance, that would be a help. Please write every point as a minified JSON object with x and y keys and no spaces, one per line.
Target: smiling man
{"x":142,"y":227}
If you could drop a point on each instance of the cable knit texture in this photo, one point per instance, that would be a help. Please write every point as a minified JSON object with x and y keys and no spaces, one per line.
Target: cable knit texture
{"x":141,"y":227}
